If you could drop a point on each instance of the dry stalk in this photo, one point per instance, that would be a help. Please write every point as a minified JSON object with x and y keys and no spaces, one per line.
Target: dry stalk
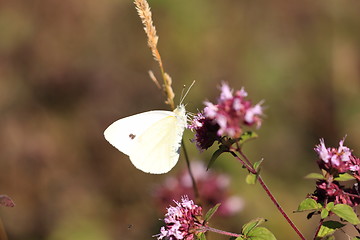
{"x":144,"y":12}
{"x":154,"y":79}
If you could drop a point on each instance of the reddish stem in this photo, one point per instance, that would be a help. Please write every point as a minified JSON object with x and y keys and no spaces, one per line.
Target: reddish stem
{"x":268,"y":192}
{"x":248,"y":167}
{"x":242,"y":154}
{"x":352,"y":195}
{"x":206,"y":228}
{"x":281,"y":210}
{"x":318,"y":228}
{"x":194,"y":185}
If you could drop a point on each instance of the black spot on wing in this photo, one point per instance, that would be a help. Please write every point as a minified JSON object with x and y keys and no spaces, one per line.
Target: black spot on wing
{"x":132,"y":136}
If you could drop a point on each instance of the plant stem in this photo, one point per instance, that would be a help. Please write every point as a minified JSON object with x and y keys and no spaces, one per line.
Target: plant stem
{"x":207,"y":228}
{"x":352,"y":195}
{"x":195,"y":188}
{"x":3,"y":234}
{"x":268,"y":192}
{"x":271,"y":196}
{"x":248,"y":167}
{"x":238,"y":149}
{"x":318,"y":229}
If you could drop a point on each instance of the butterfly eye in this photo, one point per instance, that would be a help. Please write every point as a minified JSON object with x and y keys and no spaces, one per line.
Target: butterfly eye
{"x":132,"y":136}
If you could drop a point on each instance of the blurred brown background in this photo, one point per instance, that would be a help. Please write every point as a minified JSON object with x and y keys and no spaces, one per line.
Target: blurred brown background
{"x":70,"y":68}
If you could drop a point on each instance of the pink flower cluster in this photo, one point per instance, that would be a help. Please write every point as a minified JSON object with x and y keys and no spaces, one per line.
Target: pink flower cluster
{"x":335,"y":161}
{"x":233,"y":111}
{"x":182,"y":221}
{"x":206,"y":131}
{"x":212,"y":187}
{"x":6,"y":201}
{"x":333,"y":192}
{"x":338,"y":160}
{"x":226,"y":118}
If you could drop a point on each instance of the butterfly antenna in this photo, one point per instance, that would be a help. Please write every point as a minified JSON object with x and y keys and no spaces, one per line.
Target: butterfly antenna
{"x":182,"y":94}
{"x":186,"y":93}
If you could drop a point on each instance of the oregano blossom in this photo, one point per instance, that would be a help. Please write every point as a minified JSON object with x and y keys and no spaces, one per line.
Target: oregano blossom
{"x":227,"y":117}
{"x":182,"y":221}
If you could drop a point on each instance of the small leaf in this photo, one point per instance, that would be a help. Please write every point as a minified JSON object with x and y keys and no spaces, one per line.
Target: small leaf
{"x":211,"y":212}
{"x":346,"y":212}
{"x":314,"y":176}
{"x":257,"y":165}
{"x":201,"y":236}
{"x":324,"y":213}
{"x":246,"y":136}
{"x":247,"y":227}
{"x":309,"y":204}
{"x":310,"y":215}
{"x":251,"y":178}
{"x":260,"y":233}
{"x":329,"y":227}
{"x":240,"y":238}
{"x":344,"y":177}
{"x":215,"y":155}
{"x":330,"y":206}
{"x":6,"y":201}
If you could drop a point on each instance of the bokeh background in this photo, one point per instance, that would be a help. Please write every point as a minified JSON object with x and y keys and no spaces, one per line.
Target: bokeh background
{"x":70,"y":68}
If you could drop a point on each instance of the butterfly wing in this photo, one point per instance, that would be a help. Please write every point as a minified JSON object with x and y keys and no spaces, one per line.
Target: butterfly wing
{"x":152,"y":139}
{"x":157,"y":149}
{"x":123,"y":133}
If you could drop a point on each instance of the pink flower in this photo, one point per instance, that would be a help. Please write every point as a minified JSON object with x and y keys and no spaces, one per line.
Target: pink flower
{"x":332,"y":159}
{"x":212,"y":186}
{"x":232,"y":111}
{"x":228,"y":117}
{"x":182,"y":221}
{"x":355,"y":165}
{"x":333,"y":192}
{"x":322,"y":151}
{"x":205,"y":131}
{"x":252,"y":115}
{"x":6,"y":201}
{"x":336,"y":161}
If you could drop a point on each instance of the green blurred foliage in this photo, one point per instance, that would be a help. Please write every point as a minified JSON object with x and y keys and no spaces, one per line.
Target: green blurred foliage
{"x":70,"y":68}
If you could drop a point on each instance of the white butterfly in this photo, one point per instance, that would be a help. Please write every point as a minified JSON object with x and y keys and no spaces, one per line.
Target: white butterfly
{"x":151,"y":139}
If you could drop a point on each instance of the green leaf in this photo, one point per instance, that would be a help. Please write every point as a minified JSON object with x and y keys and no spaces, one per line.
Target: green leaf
{"x":346,"y":212}
{"x":260,"y":233}
{"x":314,"y":176}
{"x":330,"y":237}
{"x":311,"y":214}
{"x":309,"y":204}
{"x":211,"y":212}
{"x":215,"y":155}
{"x":246,"y":136}
{"x":251,"y":178}
{"x":257,"y":165}
{"x":240,"y":238}
{"x":355,"y":238}
{"x":247,"y":227}
{"x":329,"y":227}
{"x":344,"y":177}
{"x":324,"y":213}
{"x":201,"y":236}
{"x":330,"y":206}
